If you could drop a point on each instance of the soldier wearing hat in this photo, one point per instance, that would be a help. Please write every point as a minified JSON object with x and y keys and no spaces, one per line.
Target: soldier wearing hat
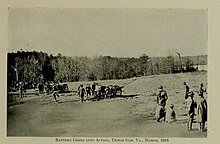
{"x":162,"y":96}
{"x":201,"y":111}
{"x":56,"y":95}
{"x":82,"y":93}
{"x":191,"y":104}
{"x":161,"y":101}
{"x":201,"y":90}
{"x":187,"y":90}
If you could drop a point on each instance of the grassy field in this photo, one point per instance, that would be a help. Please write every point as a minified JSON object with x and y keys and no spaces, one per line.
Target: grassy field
{"x":131,"y":115}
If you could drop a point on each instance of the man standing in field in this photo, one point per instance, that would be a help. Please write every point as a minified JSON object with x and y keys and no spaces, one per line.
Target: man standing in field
{"x":82,"y":93}
{"x":161,"y":101}
{"x":93,"y":88}
{"x":201,"y":112}
{"x":191,"y":110}
{"x":187,"y":90}
{"x":162,"y":96}
{"x":88,"y":90}
{"x":201,"y":90}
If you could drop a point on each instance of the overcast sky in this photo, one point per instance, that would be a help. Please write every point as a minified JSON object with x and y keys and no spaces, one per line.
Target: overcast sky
{"x":113,"y":32}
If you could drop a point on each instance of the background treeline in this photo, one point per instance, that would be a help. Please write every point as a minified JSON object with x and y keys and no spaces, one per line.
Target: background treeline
{"x":38,"y":67}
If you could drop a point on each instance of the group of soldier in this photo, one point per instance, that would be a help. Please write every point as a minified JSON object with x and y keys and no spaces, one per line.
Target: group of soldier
{"x":98,"y":91}
{"x":169,"y":115}
{"x":88,"y":91}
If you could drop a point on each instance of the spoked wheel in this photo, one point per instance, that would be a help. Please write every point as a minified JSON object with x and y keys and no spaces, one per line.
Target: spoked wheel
{"x":119,"y":92}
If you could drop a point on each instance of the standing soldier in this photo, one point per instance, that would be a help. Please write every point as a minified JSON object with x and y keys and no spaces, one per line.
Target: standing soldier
{"x":191,"y":110}
{"x":161,"y":101}
{"x":187,"y":90}
{"x":201,"y":90}
{"x":201,"y":112}
{"x":82,"y":93}
{"x":93,"y":88}
{"x":78,"y":90}
{"x":88,"y":90}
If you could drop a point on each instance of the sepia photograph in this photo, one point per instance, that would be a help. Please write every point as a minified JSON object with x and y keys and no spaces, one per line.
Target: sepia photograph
{"x":107,"y":72}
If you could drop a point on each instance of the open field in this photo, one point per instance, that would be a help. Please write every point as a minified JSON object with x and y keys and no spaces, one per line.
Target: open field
{"x":131,"y":115}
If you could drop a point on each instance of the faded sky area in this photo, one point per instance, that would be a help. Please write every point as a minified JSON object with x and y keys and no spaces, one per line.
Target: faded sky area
{"x":113,"y":32}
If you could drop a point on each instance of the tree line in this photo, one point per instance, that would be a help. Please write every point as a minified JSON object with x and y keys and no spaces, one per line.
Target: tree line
{"x":39,"y":67}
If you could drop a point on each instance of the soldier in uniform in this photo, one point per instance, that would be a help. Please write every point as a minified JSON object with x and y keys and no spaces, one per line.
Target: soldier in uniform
{"x":187,"y":90}
{"x":88,"y":90}
{"x":191,"y":104}
{"x":201,"y":112}
{"x":161,"y":101}
{"x":81,"y":93}
{"x":56,"y":95}
{"x":201,"y":90}
{"x":93,"y":88}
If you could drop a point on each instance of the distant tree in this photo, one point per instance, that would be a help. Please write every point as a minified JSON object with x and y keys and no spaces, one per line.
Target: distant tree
{"x":144,"y":63}
{"x":170,"y":64}
{"x":48,"y":71}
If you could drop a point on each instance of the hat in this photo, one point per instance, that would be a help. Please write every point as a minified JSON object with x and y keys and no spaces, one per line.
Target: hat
{"x":171,"y":105}
{"x":161,"y":87}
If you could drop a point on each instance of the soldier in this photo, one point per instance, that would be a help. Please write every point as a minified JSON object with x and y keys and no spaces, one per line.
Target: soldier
{"x":82,"y":93}
{"x":162,"y":97}
{"x":78,"y":90}
{"x":93,"y":88}
{"x":201,"y":112}
{"x":56,"y":95}
{"x":88,"y":90}
{"x":191,"y":109}
{"x":187,"y":90}
{"x":161,"y":101}
{"x":201,"y":90}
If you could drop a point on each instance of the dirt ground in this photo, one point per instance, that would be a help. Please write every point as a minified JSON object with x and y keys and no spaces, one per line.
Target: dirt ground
{"x":131,"y":115}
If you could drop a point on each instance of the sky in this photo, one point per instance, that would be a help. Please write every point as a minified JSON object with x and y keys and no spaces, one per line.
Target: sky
{"x":108,"y":32}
